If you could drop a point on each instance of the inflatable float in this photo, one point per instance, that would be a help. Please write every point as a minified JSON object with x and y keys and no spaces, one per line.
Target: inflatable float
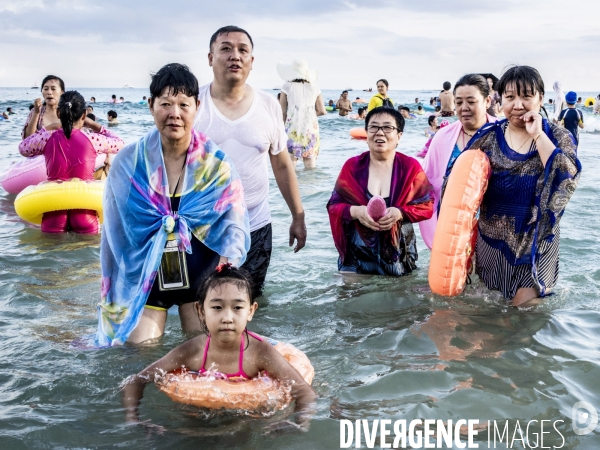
{"x":253,"y":396}
{"x":590,"y":101}
{"x":376,"y":208}
{"x":34,"y":201}
{"x":330,"y":108}
{"x":358,"y":133}
{"x":360,"y":101}
{"x":456,"y":231}
{"x":30,"y":172}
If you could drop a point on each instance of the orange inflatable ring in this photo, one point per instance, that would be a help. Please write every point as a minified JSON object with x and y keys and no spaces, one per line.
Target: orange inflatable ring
{"x":258,"y":395}
{"x":456,"y":232}
{"x":358,"y":133}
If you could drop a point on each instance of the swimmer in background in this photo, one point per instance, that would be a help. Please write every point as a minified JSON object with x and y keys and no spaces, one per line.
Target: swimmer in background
{"x":578,"y":100}
{"x":343,"y":104}
{"x":89,"y":110}
{"x":113,"y":99}
{"x":362,"y":113}
{"x":330,"y":103}
{"x":405,"y":111}
{"x":3,"y":115}
{"x":111,"y":116}
{"x":416,"y":100}
{"x":121,"y":100}
{"x":225,"y":306}
{"x":597,"y":105}
{"x":432,"y":128}
{"x":420,"y":111}
{"x":91,"y":116}
{"x":92,"y":99}
{"x":9,"y":111}
{"x":143,"y":101}
{"x":447,"y":100}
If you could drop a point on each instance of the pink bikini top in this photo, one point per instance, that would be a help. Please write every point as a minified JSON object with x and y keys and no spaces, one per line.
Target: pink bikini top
{"x":226,"y":376}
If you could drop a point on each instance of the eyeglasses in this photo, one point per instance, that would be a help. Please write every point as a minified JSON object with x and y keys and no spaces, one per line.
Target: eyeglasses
{"x":387,"y":129}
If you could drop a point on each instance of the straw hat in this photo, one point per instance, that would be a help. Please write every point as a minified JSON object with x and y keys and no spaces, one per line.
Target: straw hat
{"x":297,"y":70}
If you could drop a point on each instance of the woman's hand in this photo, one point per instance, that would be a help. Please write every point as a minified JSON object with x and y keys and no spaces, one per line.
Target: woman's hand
{"x":37,"y":105}
{"x":392,"y":216}
{"x":533,"y":123}
{"x":360,"y":213}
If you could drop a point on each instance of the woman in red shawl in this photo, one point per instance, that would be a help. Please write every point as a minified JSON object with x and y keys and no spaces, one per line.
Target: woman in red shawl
{"x":387,"y":246}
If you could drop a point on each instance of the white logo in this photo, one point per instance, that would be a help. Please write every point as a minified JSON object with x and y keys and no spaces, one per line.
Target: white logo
{"x":584,"y":413}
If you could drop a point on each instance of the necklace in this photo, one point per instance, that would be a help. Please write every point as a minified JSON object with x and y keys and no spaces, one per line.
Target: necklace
{"x":511,"y":142}
{"x":463,"y":136}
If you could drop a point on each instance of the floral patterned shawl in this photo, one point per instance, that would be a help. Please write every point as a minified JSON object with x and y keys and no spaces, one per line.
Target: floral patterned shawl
{"x":138,"y":217}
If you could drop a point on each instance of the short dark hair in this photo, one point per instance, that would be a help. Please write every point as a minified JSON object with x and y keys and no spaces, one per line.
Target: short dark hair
{"x":404,"y":108}
{"x":438,"y":108}
{"x":53,"y":77}
{"x":90,"y":106}
{"x":31,"y":106}
{"x":177,"y":78}
{"x":431,"y":119}
{"x":475,"y":80}
{"x":9,"y":109}
{"x":92,"y":116}
{"x":92,"y":98}
{"x":114,"y":96}
{"x":525,"y":79}
{"x":380,"y":111}
{"x":71,"y":107}
{"x":384,"y":81}
{"x":360,"y":111}
{"x":226,"y":30}
{"x":447,"y":85}
{"x":419,"y":107}
{"x":112,"y":114}
{"x":223,"y":274}
{"x":344,"y":92}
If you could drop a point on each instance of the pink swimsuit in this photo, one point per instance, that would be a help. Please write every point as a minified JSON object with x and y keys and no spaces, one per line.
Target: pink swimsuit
{"x":227,"y":376}
{"x":67,"y":159}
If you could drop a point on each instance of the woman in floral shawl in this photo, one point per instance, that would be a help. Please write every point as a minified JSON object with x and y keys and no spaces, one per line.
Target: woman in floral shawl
{"x":535,"y":171}
{"x":173,"y":209}
{"x":386,"y":246}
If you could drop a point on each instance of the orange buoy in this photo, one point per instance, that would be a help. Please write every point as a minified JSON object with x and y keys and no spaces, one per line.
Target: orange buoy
{"x":253,"y":396}
{"x":358,"y":133}
{"x":456,"y":231}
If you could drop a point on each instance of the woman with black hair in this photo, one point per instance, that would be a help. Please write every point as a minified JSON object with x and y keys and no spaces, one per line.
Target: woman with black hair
{"x":44,"y":112}
{"x":70,"y":152}
{"x":535,"y":171}
{"x":173,"y":210}
{"x":384,"y":245}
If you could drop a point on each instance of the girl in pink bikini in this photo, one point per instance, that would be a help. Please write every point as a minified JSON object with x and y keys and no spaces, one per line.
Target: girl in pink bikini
{"x":229,"y":350}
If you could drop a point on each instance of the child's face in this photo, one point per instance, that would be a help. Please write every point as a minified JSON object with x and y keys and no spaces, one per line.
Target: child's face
{"x":226,"y":311}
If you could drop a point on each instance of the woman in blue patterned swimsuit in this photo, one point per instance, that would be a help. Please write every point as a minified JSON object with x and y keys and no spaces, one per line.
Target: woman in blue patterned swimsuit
{"x":534,"y":173}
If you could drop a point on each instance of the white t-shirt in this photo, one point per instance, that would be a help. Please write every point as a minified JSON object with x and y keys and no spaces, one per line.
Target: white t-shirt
{"x":246,"y":141}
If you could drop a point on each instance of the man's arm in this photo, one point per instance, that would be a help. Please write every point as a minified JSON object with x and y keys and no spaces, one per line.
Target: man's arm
{"x":285,"y":177}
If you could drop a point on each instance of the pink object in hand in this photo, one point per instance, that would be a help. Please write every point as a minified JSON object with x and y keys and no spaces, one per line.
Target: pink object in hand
{"x":376,"y":208}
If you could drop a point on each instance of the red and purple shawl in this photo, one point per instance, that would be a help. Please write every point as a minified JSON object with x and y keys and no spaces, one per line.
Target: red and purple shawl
{"x":410,"y":192}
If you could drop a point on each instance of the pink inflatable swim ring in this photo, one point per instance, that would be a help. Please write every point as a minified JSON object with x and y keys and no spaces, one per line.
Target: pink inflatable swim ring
{"x":376,"y":208}
{"x":30,"y":172}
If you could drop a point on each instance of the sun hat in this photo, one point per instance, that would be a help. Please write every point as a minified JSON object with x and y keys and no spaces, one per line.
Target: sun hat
{"x":571,"y":98}
{"x":297,"y":70}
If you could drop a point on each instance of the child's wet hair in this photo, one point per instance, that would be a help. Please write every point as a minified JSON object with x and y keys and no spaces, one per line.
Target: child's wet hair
{"x":223,"y":274}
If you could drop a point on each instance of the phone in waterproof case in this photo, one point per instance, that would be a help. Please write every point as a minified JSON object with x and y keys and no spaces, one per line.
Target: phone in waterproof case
{"x":173,"y":268}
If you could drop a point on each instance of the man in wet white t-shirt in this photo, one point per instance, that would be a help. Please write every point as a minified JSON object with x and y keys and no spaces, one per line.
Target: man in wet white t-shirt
{"x":247,"y":124}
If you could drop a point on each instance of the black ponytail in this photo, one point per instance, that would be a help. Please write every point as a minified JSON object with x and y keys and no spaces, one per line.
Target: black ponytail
{"x":71,"y":107}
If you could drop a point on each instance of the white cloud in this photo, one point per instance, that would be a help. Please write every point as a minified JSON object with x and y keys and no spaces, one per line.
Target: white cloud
{"x":413,"y":44}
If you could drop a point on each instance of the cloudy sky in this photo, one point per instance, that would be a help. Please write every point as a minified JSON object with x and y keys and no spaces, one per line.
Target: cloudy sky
{"x":414,"y":44}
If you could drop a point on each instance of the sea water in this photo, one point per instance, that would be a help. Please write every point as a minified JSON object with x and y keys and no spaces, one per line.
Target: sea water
{"x":382,"y":348}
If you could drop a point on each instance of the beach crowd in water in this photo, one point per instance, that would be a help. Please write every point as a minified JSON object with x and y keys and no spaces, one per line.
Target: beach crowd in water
{"x":186,"y":219}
